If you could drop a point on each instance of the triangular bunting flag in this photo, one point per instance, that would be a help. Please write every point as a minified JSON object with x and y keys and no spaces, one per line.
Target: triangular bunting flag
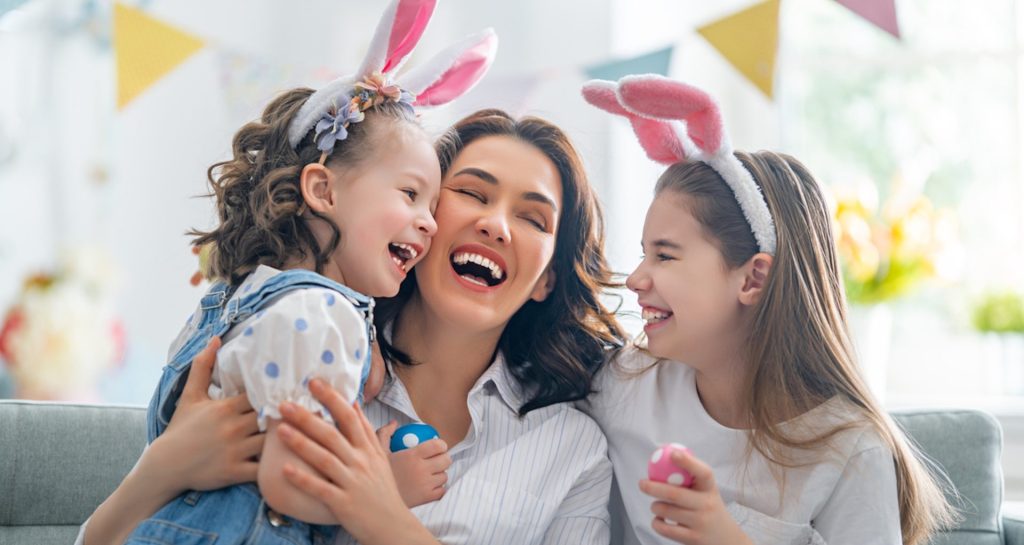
{"x":655,"y":62}
{"x":750,"y":41}
{"x":881,"y":13}
{"x":146,"y":49}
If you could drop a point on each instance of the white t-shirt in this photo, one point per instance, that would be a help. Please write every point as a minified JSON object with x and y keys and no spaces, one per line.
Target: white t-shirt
{"x":847,"y":498}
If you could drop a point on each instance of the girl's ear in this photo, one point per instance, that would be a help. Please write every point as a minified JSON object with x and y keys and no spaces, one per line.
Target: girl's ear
{"x":756,"y":272}
{"x":544,"y":285}
{"x":315,"y":185}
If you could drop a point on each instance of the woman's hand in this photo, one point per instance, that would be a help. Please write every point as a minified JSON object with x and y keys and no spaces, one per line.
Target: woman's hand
{"x":208,"y":444}
{"x":696,"y":515}
{"x":355,"y":479}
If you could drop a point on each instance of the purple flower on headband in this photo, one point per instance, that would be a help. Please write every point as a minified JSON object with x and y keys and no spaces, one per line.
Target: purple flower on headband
{"x":333,"y":126}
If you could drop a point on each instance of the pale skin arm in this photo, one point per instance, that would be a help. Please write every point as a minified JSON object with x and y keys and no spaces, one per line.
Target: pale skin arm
{"x":279,"y":493}
{"x":353,"y":477}
{"x":209,"y":444}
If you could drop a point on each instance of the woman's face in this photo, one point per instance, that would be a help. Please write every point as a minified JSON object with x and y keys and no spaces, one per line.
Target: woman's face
{"x":497,"y":217}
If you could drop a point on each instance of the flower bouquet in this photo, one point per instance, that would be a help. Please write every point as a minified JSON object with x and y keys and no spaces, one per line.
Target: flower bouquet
{"x":61,"y":332}
{"x":886,"y":253}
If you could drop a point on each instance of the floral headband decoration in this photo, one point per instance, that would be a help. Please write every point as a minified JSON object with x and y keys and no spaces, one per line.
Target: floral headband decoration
{"x":450,"y":74}
{"x":372,"y":91}
{"x":676,"y":122}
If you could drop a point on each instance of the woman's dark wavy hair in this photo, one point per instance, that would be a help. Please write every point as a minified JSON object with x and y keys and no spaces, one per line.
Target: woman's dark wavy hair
{"x":258,"y":199}
{"x":553,"y":347}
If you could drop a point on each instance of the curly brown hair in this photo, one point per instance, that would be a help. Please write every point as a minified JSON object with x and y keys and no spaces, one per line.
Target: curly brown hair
{"x":259,"y":202}
{"x":553,"y":348}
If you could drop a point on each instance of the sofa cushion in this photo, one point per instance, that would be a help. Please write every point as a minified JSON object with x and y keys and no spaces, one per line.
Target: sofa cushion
{"x":967,"y":445}
{"x":59,"y":462}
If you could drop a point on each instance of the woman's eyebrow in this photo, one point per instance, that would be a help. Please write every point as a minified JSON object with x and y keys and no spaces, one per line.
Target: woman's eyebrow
{"x":491,"y":179}
{"x":543,"y":199}
{"x":479,"y":173}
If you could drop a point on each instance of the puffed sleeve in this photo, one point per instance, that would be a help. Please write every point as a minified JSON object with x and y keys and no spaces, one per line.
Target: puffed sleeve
{"x":271,"y":356}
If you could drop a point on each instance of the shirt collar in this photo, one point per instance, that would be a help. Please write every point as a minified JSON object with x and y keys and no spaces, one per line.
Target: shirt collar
{"x":508,"y":388}
{"x":496,"y":376}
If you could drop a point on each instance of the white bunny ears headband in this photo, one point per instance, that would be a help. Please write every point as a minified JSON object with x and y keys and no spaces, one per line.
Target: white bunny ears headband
{"x":676,"y":122}
{"x":447,"y":76}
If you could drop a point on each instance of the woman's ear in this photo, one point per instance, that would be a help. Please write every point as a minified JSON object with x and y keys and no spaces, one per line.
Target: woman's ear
{"x":545,"y":284}
{"x":755,"y":278}
{"x":315,"y":185}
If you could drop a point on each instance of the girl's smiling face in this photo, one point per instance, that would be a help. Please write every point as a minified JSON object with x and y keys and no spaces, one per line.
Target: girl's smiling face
{"x":688,"y":295}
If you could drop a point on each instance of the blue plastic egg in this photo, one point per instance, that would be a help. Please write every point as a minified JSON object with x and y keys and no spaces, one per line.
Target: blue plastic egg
{"x":410,"y":435}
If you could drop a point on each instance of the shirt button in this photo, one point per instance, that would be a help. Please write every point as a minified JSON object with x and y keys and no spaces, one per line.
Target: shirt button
{"x":276,"y":519}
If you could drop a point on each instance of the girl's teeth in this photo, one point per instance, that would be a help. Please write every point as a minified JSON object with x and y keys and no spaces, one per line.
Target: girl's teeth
{"x":650,"y":316}
{"x":401,"y":265}
{"x":412,"y":251}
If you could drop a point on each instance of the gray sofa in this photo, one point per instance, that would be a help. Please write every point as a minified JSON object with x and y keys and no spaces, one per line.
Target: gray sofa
{"x":59,"y":461}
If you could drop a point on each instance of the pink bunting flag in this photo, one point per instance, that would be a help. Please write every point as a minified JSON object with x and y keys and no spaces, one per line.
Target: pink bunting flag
{"x":881,"y":13}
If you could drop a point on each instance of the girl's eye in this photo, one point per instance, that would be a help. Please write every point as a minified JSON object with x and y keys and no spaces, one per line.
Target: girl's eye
{"x":665,"y":257}
{"x":411,"y":193}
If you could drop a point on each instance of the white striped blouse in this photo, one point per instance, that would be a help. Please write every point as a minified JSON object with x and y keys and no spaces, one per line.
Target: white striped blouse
{"x":544,"y":478}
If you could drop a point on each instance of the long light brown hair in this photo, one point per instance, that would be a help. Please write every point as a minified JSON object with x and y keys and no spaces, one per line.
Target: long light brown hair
{"x":798,"y":349}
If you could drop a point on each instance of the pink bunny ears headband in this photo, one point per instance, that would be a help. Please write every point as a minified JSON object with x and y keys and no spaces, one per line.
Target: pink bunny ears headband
{"x":447,"y":76}
{"x":676,"y":122}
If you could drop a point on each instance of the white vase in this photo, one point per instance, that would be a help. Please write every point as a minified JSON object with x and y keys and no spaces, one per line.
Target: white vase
{"x":1004,"y":360}
{"x":871,"y":329}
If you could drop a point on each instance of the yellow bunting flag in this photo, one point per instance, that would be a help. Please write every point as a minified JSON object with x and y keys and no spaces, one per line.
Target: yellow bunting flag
{"x":146,"y":50}
{"x":750,"y":41}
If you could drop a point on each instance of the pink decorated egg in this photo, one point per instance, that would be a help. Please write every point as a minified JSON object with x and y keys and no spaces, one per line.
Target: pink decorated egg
{"x":661,"y":469}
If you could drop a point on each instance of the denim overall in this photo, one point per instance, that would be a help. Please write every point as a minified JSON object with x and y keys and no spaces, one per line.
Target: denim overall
{"x":235,"y":514}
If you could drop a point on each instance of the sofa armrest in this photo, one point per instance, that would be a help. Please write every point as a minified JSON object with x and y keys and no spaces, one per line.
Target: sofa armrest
{"x":1013,"y":529}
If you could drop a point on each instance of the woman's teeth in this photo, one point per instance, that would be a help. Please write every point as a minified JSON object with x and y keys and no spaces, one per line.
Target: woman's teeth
{"x":474,"y":280}
{"x":462,"y":258}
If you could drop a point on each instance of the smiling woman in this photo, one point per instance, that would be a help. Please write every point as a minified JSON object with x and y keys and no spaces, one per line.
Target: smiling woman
{"x":500,"y":197}
{"x":520,"y":184}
